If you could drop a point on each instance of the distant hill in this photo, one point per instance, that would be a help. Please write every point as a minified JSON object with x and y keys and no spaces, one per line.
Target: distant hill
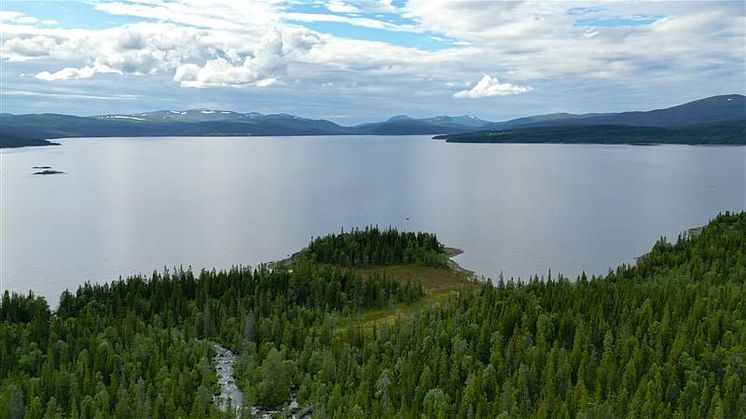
{"x":540,"y":120}
{"x":164,"y":123}
{"x":463,"y":121}
{"x":189,"y":115}
{"x":724,"y":132}
{"x":703,"y":111}
{"x":404,"y":125}
{"x":14,"y":142}
{"x":208,"y":122}
{"x":203,"y":122}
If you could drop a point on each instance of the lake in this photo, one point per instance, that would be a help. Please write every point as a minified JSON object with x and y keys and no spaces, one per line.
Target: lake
{"x":134,"y":205}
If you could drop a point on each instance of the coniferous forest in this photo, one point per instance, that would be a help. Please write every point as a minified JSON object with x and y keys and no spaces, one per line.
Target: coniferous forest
{"x":372,"y":246}
{"x":343,"y":330}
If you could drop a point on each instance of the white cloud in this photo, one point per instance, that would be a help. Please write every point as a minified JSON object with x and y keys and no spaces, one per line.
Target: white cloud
{"x":220,"y":72}
{"x":30,"y":20}
{"x":66,"y":74}
{"x":22,"y":49}
{"x":141,"y":48}
{"x":239,"y":15}
{"x":267,"y":61}
{"x":156,"y":48}
{"x":22,"y":19}
{"x":590,"y":33}
{"x":338,"y":6}
{"x":16,"y":17}
{"x":69,"y":73}
{"x":6,"y":15}
{"x":350,"y":20}
{"x":70,"y":94}
{"x":541,"y":40}
{"x":489,"y":86}
{"x":197,"y":43}
{"x":375,"y":6}
{"x":265,"y":82}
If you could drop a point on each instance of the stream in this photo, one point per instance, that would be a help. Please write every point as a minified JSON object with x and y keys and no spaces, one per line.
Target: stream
{"x":230,"y":394}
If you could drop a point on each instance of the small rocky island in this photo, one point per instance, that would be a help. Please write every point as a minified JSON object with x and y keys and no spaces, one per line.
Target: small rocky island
{"x":46,"y":170}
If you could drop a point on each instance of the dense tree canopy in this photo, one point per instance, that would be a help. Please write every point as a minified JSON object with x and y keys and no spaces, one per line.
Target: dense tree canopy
{"x":663,"y":338}
{"x":372,"y":246}
{"x":140,"y":342}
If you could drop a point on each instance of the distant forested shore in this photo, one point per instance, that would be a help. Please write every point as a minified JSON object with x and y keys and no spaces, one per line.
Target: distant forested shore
{"x":713,"y":120}
{"x":718,"y":133}
{"x":15,"y":142}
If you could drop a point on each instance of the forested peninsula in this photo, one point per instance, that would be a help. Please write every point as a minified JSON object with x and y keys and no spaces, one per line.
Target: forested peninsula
{"x":717,"y":133}
{"x":7,"y":141}
{"x":372,"y":323}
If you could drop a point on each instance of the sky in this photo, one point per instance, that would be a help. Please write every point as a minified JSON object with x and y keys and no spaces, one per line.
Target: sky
{"x":355,"y":61}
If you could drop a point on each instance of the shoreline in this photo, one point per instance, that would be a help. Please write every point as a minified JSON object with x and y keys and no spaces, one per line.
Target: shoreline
{"x":688,"y":234}
{"x":452,"y":252}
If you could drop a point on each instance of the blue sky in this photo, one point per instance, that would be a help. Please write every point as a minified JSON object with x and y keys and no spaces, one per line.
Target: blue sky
{"x":353,"y":61}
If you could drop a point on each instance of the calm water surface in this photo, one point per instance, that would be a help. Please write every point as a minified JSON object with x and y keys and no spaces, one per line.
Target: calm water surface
{"x":140,"y":204}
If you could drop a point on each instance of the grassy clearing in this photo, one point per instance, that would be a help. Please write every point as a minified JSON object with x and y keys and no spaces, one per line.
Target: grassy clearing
{"x":434,"y":280}
{"x":439,"y":285}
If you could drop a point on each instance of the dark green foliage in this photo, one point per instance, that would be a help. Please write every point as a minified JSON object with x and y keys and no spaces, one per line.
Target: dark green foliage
{"x":138,"y":343}
{"x":373,"y":246}
{"x":664,"y":338}
{"x":275,"y":385}
{"x":10,"y":141}
{"x":92,"y":364}
{"x":723,"y":132}
{"x":703,"y":111}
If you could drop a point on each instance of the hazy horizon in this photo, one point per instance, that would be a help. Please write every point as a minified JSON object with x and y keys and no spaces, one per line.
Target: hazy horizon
{"x":391,"y":116}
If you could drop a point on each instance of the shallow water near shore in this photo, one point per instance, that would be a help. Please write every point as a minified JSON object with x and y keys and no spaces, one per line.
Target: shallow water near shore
{"x":136,"y":205}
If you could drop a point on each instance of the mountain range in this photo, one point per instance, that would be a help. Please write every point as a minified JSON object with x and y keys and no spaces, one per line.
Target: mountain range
{"x":208,"y":122}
